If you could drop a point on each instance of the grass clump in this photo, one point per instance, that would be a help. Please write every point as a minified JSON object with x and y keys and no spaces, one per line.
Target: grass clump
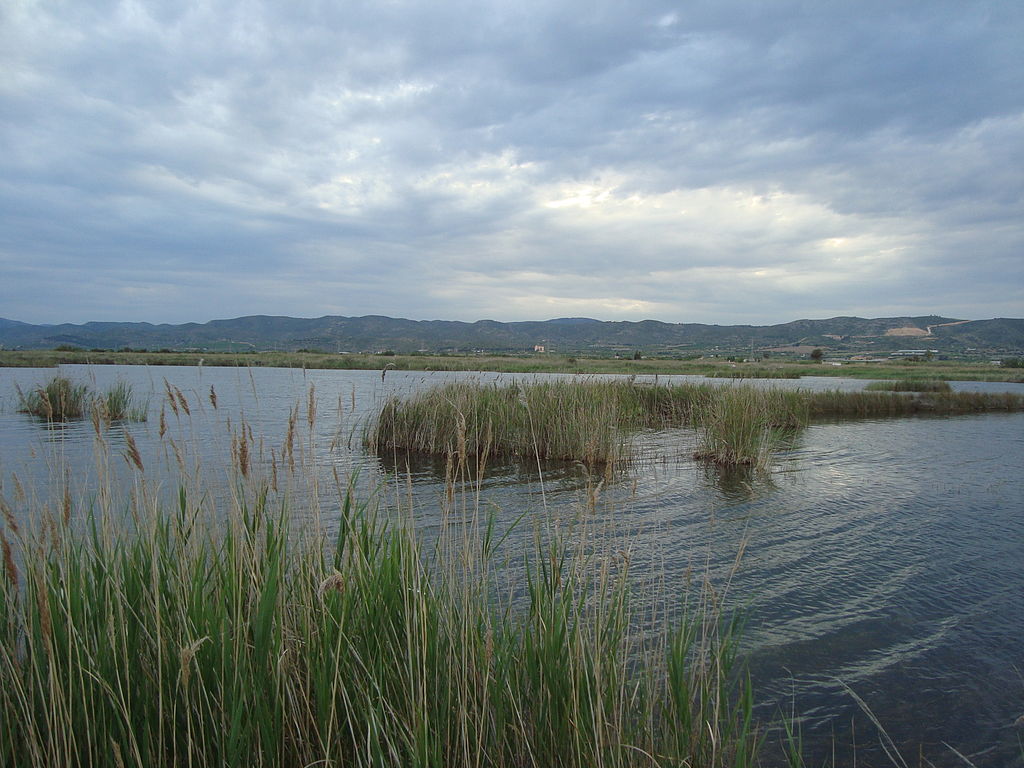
{"x":910,"y":385}
{"x":119,"y":404}
{"x":743,"y":426}
{"x":60,"y":399}
{"x":582,"y":421}
{"x":587,"y":421}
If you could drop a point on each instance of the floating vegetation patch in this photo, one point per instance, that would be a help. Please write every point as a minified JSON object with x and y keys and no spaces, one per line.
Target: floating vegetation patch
{"x":593,"y":420}
{"x":578,"y":421}
{"x":61,"y":399}
{"x":743,"y":426}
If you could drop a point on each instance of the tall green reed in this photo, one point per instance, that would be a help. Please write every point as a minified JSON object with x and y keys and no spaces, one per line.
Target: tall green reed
{"x":742,"y":426}
{"x":154,"y":631}
{"x":118,"y":403}
{"x":62,"y":399}
{"x":545,"y":420}
{"x":59,"y":399}
{"x":594,"y":420}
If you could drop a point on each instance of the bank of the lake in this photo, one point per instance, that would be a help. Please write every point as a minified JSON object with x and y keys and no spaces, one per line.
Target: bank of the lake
{"x":717,"y":367}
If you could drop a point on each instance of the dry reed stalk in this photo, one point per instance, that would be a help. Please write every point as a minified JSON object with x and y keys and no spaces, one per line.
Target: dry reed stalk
{"x":132,"y":455}
{"x":335,"y":582}
{"x":188,"y":653}
{"x":288,"y":451}
{"x":66,"y":500}
{"x":5,"y":508}
{"x":240,"y":451}
{"x":10,"y":569}
{"x":171,"y":398}
{"x":311,"y":407}
{"x":182,"y":401}
{"x":43,"y":609}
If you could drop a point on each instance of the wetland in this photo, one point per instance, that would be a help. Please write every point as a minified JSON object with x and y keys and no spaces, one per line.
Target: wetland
{"x":875,"y":556}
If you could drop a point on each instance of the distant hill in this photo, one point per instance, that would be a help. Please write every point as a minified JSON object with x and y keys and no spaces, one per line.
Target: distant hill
{"x":575,"y":335}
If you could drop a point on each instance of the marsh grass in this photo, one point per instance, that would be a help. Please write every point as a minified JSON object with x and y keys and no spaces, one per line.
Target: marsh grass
{"x":910,"y":385}
{"x":61,"y":399}
{"x":835,"y":404}
{"x":593,"y":420}
{"x":545,"y":421}
{"x":742,"y":426}
{"x":157,"y":632}
{"x":119,"y":404}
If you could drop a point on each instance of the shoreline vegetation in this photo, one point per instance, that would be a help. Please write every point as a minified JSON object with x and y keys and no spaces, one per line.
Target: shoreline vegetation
{"x":591,"y":421}
{"x":947,"y":370}
{"x":139,"y":626}
{"x":910,"y":385}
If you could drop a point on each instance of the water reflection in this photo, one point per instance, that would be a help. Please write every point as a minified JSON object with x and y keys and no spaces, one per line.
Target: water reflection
{"x":492,"y":472}
{"x":737,"y":485}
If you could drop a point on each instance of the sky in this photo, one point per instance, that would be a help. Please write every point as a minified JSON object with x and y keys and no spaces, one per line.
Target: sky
{"x":719,"y":162}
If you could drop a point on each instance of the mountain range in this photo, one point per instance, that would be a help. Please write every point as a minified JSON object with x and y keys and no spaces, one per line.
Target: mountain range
{"x":577,"y":335}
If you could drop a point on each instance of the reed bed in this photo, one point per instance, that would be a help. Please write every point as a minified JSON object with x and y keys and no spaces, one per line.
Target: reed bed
{"x":61,"y":399}
{"x":743,"y":426}
{"x":592,"y":420}
{"x":910,"y":385}
{"x":833,"y":404}
{"x":564,"y":420}
{"x":119,"y":404}
{"x":149,"y":633}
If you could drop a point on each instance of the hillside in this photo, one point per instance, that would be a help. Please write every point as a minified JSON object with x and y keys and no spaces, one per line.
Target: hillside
{"x":564,"y":335}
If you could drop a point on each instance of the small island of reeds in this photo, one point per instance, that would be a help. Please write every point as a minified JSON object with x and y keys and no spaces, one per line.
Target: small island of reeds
{"x":591,"y":420}
{"x":61,"y":399}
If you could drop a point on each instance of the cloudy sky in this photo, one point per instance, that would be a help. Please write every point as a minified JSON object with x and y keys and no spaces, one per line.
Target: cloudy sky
{"x":723,"y":161}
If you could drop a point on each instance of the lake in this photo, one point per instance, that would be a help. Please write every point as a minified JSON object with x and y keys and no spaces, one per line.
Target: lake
{"x":882,"y":557}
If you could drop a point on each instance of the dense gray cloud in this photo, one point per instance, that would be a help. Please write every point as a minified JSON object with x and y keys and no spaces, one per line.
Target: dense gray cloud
{"x":702,"y":161}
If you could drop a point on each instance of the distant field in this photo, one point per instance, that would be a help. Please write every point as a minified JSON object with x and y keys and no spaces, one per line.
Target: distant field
{"x":943,"y":370}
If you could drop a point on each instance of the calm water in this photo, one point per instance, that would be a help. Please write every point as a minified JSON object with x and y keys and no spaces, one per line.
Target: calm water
{"x":882,"y":557}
